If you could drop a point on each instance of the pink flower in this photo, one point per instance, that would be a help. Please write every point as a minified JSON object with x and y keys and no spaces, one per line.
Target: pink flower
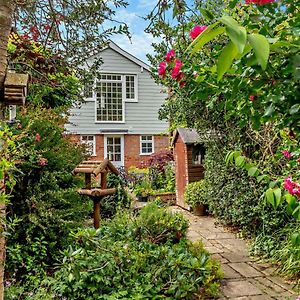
{"x":197,"y":30}
{"x":19,"y":126}
{"x":170,"y":55}
{"x":162,"y":69}
{"x":179,"y":76}
{"x":43,"y":162}
{"x":176,"y":69}
{"x":37,"y":137}
{"x":286,"y":154}
{"x":251,"y":97}
{"x":292,"y":187}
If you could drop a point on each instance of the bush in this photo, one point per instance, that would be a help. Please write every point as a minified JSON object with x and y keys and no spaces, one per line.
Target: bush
{"x":195,"y":193}
{"x":122,"y":261}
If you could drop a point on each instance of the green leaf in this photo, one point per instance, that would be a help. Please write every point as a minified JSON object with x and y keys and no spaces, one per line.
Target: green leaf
{"x":295,"y":239}
{"x":272,"y":184}
{"x":295,"y":109}
{"x":277,"y":197}
{"x":206,"y":14}
{"x":237,"y":33}
{"x":229,"y":158}
{"x":205,"y":37}
{"x":263,"y":177}
{"x":253,"y":171}
{"x":247,"y":49}
{"x":261,"y":48}
{"x":226,"y":58}
{"x":296,"y":213}
{"x":269,"y":111}
{"x":240,"y":161}
{"x":269,"y":196}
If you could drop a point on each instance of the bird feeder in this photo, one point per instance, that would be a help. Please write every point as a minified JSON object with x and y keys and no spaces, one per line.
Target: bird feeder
{"x":96,"y":168}
{"x":15,"y":88}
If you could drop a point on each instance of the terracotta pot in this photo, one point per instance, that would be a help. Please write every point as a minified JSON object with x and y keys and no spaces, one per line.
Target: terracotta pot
{"x":199,"y":210}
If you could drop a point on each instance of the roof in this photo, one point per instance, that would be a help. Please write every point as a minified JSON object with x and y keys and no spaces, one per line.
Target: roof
{"x":129,"y":56}
{"x":188,"y":136}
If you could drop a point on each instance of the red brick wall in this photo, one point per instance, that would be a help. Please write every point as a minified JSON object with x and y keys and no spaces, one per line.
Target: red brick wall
{"x":132,"y":149}
{"x":132,"y":155}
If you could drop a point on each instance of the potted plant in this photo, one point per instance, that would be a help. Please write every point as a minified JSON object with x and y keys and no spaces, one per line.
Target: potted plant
{"x":194,"y":196}
{"x":143,"y":191}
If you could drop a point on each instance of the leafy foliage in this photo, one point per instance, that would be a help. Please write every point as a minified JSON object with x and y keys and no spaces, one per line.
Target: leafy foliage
{"x":237,"y":85}
{"x":195,"y":193}
{"x":122,"y":261}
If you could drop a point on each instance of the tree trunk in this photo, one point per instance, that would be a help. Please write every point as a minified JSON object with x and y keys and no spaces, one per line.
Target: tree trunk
{"x":7,"y":8}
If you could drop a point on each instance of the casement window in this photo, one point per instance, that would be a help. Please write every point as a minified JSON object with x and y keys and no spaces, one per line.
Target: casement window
{"x":110,"y":93}
{"x":146,"y":144}
{"x":90,"y":142}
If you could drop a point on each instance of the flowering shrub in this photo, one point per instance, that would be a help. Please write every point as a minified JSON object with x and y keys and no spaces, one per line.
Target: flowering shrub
{"x":240,"y":92}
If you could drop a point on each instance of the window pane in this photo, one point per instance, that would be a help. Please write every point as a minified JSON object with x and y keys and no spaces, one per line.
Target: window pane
{"x":109,"y":98}
{"x":130,"y":91}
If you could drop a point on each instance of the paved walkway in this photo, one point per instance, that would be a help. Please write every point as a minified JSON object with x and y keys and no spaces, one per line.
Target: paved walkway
{"x":243,"y":278}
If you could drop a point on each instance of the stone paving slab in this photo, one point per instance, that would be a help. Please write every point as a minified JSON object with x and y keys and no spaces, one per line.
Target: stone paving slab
{"x":243,"y":277}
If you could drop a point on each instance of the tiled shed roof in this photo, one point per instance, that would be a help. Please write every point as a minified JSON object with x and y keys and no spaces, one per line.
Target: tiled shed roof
{"x":188,"y":136}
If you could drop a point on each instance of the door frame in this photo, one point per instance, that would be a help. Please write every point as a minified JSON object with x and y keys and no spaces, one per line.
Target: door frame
{"x":121,"y":164}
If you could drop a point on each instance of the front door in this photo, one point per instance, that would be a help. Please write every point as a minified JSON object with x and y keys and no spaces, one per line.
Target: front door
{"x":114,"y":149}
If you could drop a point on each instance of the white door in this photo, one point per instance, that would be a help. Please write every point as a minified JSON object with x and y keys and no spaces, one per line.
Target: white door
{"x":114,"y":149}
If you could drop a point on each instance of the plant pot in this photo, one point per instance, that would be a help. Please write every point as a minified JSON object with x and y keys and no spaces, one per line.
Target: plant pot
{"x":199,"y":210}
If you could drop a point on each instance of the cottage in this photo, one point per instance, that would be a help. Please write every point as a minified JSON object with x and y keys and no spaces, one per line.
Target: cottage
{"x":119,"y":119}
{"x":189,"y":159}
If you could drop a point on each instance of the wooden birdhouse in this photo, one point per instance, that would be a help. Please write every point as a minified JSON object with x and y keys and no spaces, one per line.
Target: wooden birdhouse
{"x":15,"y":88}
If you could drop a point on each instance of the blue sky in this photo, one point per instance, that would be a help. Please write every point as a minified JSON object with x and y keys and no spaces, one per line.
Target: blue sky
{"x":140,"y":43}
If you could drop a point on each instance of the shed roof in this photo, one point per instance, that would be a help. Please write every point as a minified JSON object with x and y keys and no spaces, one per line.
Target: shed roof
{"x":188,"y":136}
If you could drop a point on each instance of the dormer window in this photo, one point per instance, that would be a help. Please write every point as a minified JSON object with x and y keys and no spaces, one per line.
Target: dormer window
{"x":110,"y":92}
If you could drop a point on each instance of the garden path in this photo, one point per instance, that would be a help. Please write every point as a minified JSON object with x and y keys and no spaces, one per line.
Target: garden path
{"x":243,"y":277}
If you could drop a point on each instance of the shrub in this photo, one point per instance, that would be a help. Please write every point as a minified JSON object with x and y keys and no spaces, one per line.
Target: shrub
{"x":122,"y":261}
{"x":195,"y":193}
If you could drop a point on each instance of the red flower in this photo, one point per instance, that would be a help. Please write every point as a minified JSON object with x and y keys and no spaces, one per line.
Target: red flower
{"x":286,"y":154}
{"x":182,"y":84}
{"x":37,"y":137}
{"x":162,"y":69}
{"x":197,"y":30}
{"x":259,"y":2}
{"x":176,"y":69}
{"x":251,"y":97}
{"x":298,"y":160}
{"x":170,"y":55}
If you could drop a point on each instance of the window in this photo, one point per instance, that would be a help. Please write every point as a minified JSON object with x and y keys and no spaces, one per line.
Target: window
{"x":112,"y":90}
{"x":90,"y":142}
{"x":146,"y":145}
{"x":198,"y":153}
{"x":130,"y":88}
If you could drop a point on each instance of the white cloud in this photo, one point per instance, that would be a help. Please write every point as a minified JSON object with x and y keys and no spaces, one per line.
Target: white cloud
{"x":127,"y":17}
{"x":139,"y":46}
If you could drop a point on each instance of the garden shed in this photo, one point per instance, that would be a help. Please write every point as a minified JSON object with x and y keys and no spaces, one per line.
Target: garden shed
{"x":189,"y":159}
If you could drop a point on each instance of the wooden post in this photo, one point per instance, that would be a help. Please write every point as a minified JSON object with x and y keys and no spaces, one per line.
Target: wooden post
{"x":88,"y":181}
{"x":97,"y":212}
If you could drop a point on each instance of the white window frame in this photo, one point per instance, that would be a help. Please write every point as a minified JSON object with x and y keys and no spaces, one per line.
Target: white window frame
{"x":143,"y":141}
{"x":124,"y":99}
{"x":93,"y":143}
